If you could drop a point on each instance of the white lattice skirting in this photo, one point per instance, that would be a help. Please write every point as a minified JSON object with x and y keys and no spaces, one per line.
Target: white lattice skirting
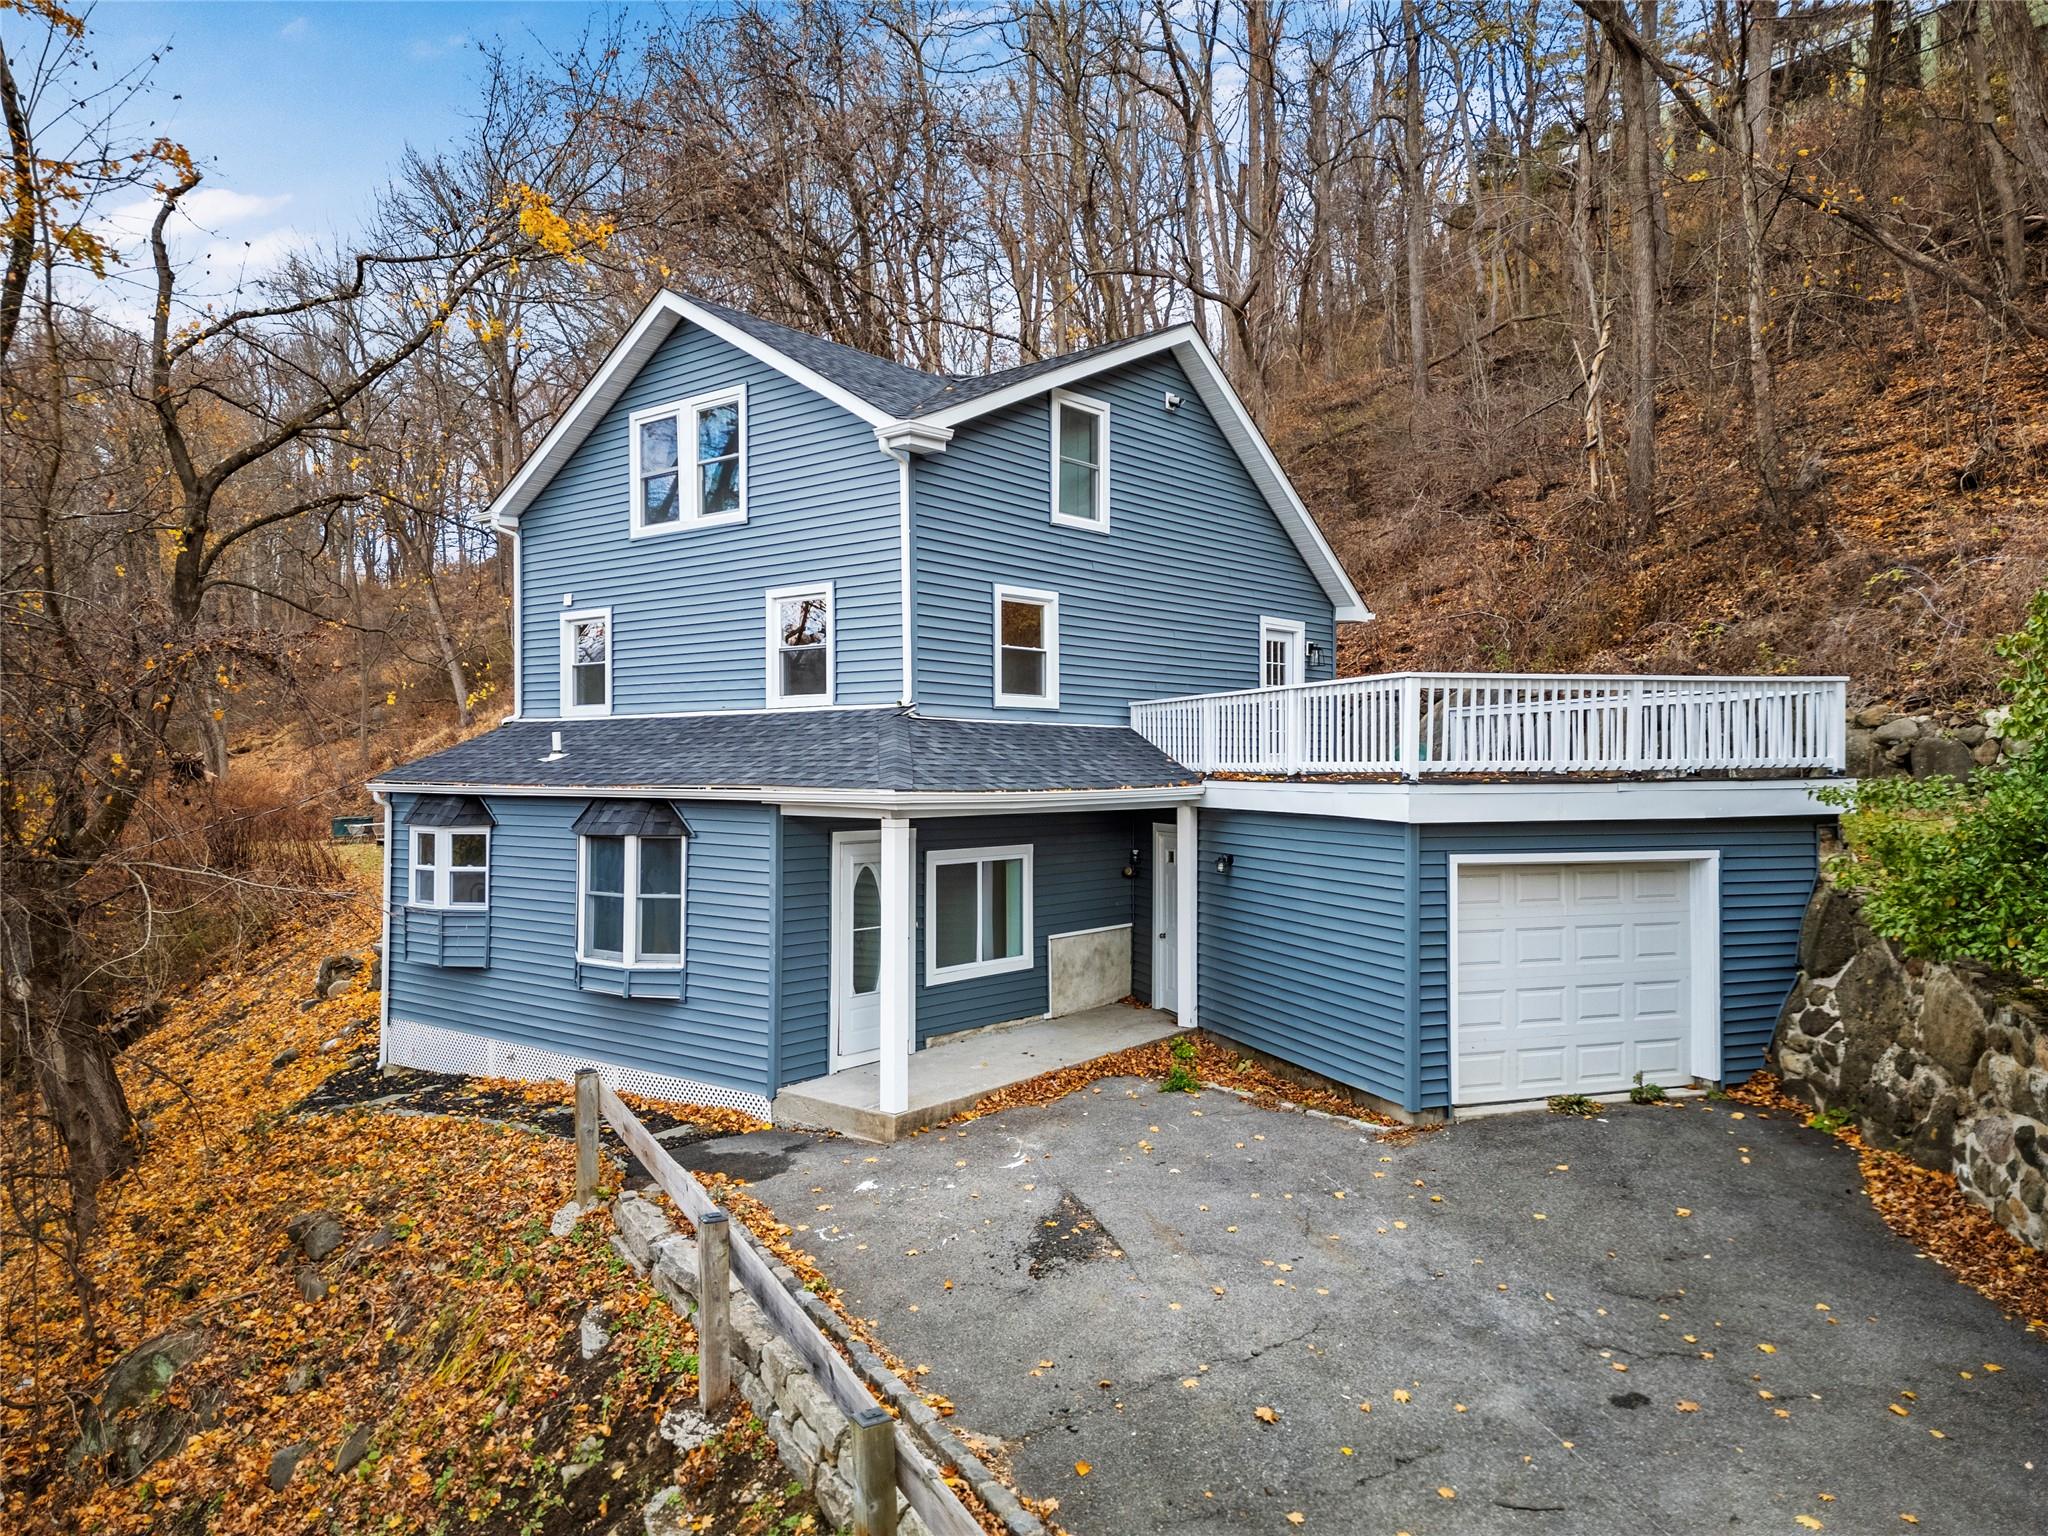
{"x":434,"y":1049}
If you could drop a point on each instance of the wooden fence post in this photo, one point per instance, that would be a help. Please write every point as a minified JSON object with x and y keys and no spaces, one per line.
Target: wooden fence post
{"x":587,"y":1121}
{"x":714,"y":1309}
{"x":873,"y":1438}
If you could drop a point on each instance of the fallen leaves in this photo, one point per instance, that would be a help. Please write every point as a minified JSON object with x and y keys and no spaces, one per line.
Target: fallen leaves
{"x":1687,"y":1405}
{"x":1266,"y":1414}
{"x":1083,"y":1468}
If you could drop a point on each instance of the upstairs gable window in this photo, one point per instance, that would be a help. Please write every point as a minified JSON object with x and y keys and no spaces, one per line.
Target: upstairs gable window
{"x":1080,"y":462}
{"x":689,"y":463}
{"x":587,"y":662}
{"x":800,"y":646}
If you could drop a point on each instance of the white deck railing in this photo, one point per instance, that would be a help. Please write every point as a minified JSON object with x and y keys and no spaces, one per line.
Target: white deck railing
{"x":1416,"y":723}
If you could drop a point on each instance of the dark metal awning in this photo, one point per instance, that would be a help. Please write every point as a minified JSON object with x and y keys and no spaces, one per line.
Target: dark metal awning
{"x":631,"y":818}
{"x":449,"y":811}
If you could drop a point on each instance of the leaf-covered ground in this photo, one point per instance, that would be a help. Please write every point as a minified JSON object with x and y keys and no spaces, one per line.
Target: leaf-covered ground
{"x":442,"y":1350}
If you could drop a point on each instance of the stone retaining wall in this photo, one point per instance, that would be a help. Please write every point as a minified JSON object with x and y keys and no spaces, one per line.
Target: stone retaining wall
{"x":1883,"y":741}
{"x":808,"y":1429}
{"x":1946,"y":1063}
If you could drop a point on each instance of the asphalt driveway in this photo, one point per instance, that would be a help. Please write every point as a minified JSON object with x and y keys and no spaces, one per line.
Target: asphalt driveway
{"x":1672,"y":1320}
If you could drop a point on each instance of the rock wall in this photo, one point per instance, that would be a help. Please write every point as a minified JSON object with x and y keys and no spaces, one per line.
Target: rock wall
{"x":1882,"y":740}
{"x":1946,"y":1063}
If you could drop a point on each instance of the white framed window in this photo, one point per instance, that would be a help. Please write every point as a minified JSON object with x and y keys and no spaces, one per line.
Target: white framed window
{"x":689,"y":463}
{"x":629,"y":900}
{"x":1281,"y":643}
{"x":1027,"y":659}
{"x":451,"y":868}
{"x":1080,"y":462}
{"x":800,"y":670}
{"x":587,"y":662}
{"x":977,"y":912}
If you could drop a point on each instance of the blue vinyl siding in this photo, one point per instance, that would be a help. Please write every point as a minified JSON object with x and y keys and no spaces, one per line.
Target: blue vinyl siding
{"x":1167,"y":602}
{"x":722,"y":1028}
{"x":1767,"y":874}
{"x":1306,"y":948}
{"x":688,"y":613}
{"x":806,"y":898}
{"x":456,"y":940}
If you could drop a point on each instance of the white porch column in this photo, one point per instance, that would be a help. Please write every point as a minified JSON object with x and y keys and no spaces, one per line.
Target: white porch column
{"x":898,"y":894}
{"x":1186,"y":853}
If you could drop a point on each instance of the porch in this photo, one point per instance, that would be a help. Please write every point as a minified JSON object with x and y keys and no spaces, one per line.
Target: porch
{"x":956,"y":1071}
{"x":1483,"y":725}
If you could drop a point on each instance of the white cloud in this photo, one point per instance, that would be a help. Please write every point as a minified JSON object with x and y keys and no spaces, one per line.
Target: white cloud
{"x":425,"y":49}
{"x":219,"y":239}
{"x":296,"y":27}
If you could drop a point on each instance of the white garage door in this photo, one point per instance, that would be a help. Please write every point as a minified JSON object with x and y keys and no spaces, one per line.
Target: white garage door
{"x":1571,"y":978}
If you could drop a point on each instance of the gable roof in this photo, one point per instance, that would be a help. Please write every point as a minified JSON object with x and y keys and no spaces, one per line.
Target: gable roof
{"x":909,"y":408}
{"x":886,"y":748}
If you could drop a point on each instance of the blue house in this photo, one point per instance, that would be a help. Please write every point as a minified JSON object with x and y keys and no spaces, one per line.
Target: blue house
{"x":859,"y":708}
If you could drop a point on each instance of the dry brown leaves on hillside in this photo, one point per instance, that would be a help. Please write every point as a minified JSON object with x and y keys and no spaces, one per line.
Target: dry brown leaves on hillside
{"x":445,"y":1342}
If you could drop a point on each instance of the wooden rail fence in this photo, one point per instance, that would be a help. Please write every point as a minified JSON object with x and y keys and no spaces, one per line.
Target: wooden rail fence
{"x":884,"y":1459}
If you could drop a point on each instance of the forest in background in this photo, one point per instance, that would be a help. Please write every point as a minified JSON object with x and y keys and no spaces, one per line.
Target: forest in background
{"x":1674,"y":334}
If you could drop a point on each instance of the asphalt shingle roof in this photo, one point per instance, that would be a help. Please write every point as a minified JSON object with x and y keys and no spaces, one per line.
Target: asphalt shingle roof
{"x":900,"y":390}
{"x":882,"y":749}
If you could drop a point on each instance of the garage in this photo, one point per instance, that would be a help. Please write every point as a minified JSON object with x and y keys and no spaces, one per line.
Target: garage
{"x":1571,"y":976}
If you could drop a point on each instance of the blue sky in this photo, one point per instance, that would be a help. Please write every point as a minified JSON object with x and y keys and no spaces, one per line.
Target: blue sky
{"x":298,"y":111}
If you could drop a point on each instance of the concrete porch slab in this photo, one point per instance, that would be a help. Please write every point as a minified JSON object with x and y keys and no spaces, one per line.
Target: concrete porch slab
{"x":953,"y":1072}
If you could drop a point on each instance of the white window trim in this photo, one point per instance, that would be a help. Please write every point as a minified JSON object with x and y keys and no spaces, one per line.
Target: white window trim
{"x":1050,"y":601}
{"x":689,"y":483}
{"x":1062,"y":400}
{"x":1299,"y":632}
{"x":565,"y":643}
{"x":629,"y":932}
{"x":772,"y":670}
{"x":443,"y":901}
{"x":936,"y":975}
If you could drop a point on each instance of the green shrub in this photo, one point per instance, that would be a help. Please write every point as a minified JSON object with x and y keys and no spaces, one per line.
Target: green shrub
{"x":1573,"y":1104}
{"x":1179,"y":1079}
{"x":1830,"y":1120}
{"x":1645,"y":1093}
{"x":1954,"y":871}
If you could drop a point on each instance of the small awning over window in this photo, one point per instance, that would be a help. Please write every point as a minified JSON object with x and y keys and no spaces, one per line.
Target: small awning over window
{"x":631,"y":818}
{"x":449,"y":811}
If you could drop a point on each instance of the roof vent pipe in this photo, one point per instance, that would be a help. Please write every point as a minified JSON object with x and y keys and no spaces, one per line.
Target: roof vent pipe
{"x":555,"y":753}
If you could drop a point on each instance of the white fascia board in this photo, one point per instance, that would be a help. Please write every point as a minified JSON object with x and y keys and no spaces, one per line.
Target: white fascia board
{"x":1223,"y":404}
{"x":836,"y":802}
{"x":1527,"y":803}
{"x":618,"y":370}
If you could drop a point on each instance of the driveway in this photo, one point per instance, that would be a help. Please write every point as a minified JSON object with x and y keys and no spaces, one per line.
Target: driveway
{"x":1671,"y":1320}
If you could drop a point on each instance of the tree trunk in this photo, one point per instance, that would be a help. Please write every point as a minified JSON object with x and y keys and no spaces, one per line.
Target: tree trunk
{"x":2025,"y":63}
{"x":1637,"y":105}
{"x":1758,"y":23}
{"x":1414,"y":211}
{"x":2012,"y":242}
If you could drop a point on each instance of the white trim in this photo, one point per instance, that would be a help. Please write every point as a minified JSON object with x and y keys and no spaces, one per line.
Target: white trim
{"x":936,"y":975}
{"x":1187,"y":859}
{"x":387,"y":960}
{"x":647,"y":332}
{"x":1050,"y":602}
{"x":1703,"y":898}
{"x":1295,"y":631}
{"x":1063,"y":401}
{"x":1082,"y":933}
{"x":518,"y":623}
{"x":629,"y":902}
{"x":1098,"y":361}
{"x":840,"y":959}
{"x":897,"y":1035}
{"x":1534,"y":801}
{"x":908,"y":617}
{"x":1164,"y":836}
{"x":772,"y":672}
{"x":689,"y":479}
{"x":567,"y":650}
{"x":444,"y":900}
{"x":829,"y":802}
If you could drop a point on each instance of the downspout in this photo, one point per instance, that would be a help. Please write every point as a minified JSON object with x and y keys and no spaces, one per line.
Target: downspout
{"x":384,"y":955}
{"x":902,"y":458}
{"x":518,"y":671}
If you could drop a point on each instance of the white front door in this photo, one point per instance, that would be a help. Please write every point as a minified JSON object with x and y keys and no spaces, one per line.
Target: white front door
{"x":1571,"y":978}
{"x":1165,"y":918}
{"x":856,"y":949}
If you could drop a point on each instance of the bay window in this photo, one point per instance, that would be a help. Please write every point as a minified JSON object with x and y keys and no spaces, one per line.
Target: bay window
{"x":631,"y":859}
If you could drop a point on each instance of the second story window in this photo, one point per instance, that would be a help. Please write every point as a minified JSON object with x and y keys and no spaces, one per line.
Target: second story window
{"x":800,"y":646}
{"x":689,"y":463}
{"x":1080,"y":462}
{"x":587,"y":663}
{"x":1027,"y":649}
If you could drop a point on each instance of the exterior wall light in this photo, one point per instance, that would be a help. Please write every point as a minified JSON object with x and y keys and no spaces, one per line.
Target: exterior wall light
{"x":1224,"y":861}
